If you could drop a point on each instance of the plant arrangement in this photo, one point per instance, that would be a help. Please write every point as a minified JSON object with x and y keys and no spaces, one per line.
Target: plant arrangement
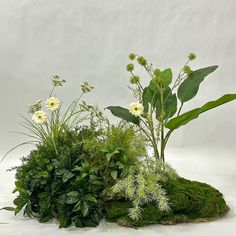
{"x":83,"y":168}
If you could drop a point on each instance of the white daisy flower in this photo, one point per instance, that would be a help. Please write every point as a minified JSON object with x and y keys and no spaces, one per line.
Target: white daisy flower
{"x":52,"y":103}
{"x":136,"y":108}
{"x":39,"y":117}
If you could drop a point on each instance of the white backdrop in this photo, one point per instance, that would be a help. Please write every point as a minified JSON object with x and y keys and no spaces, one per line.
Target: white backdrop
{"x":90,"y":40}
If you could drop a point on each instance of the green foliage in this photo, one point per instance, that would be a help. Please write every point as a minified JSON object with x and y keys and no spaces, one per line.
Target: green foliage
{"x":189,"y":201}
{"x":189,"y":87}
{"x":193,"y":114}
{"x":63,"y":185}
{"x":124,"y":114}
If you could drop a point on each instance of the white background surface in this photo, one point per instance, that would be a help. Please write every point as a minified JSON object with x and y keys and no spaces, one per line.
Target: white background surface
{"x":90,"y":40}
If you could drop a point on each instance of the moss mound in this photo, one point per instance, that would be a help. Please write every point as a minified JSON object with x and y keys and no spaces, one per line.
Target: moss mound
{"x":190,"y":201}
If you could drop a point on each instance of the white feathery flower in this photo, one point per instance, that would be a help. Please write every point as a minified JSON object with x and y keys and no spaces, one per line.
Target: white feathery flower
{"x":136,"y":109}
{"x":39,"y":117}
{"x":52,"y":103}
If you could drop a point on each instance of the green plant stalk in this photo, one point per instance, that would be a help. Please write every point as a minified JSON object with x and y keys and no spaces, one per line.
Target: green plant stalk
{"x":162,"y":129}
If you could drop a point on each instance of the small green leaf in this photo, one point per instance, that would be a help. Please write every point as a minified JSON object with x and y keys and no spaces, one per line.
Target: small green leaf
{"x":185,"y":118}
{"x":124,"y":114}
{"x":8,"y":208}
{"x":67,"y":175}
{"x":77,"y":206}
{"x":111,"y":154}
{"x":189,"y":87}
{"x":90,"y":198}
{"x":114,"y":174}
{"x":84,"y":209}
{"x":84,"y":175}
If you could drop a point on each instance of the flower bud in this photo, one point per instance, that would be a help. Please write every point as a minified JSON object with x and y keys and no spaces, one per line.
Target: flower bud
{"x":132,"y":56}
{"x":191,"y":56}
{"x":142,"y":61}
{"x":187,"y":70}
{"x":134,"y":79}
{"x":130,"y":67}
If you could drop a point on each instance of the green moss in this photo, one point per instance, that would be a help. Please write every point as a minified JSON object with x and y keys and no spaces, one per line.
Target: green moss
{"x":190,"y":201}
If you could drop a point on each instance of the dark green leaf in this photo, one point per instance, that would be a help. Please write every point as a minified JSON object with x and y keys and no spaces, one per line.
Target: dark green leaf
{"x":72,"y":197}
{"x":84,"y":209}
{"x":77,"y":207}
{"x":193,"y":114}
{"x":124,"y":114}
{"x":114,"y":174}
{"x":67,"y":175}
{"x":90,"y":198}
{"x":189,"y":87}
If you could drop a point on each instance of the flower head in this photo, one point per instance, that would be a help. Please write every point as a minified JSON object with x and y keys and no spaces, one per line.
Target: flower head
{"x":57,"y":81}
{"x":52,"y":103}
{"x":130,"y":67}
{"x":134,"y":79}
{"x":191,"y":56}
{"x":86,"y":87}
{"x":35,"y":107}
{"x":39,"y":117}
{"x":187,"y":70}
{"x":142,"y":61}
{"x":136,"y":109}
{"x":132,"y":56}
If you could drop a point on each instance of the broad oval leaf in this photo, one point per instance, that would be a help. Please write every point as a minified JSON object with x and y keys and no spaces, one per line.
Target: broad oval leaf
{"x":84,"y":208}
{"x":166,"y":76}
{"x":124,"y":114}
{"x":67,"y":175}
{"x":189,"y":87}
{"x":185,"y":118}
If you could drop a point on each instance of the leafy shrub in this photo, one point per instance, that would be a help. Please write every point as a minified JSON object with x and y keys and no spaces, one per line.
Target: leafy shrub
{"x":64,"y":186}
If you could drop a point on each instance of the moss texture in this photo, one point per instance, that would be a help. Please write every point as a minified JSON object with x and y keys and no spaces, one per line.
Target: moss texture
{"x":190,"y":201}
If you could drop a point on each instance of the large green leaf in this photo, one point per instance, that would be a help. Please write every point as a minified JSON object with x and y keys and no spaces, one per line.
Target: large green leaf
{"x":185,"y":118}
{"x":189,"y":87}
{"x":124,"y":114}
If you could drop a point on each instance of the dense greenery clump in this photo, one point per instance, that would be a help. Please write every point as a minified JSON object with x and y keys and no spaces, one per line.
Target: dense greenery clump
{"x":64,"y":185}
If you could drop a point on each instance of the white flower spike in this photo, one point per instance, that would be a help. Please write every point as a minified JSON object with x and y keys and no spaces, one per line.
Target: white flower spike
{"x":136,"y":109}
{"x":39,"y":117}
{"x":52,"y":103}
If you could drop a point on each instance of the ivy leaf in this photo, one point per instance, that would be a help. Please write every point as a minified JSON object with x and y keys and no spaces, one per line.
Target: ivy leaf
{"x":124,"y":114}
{"x":84,"y":209}
{"x":67,"y":175}
{"x":114,"y":174}
{"x":185,"y":118}
{"x":189,"y":87}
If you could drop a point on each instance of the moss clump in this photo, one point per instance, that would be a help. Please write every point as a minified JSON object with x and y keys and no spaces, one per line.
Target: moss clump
{"x":190,"y":201}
